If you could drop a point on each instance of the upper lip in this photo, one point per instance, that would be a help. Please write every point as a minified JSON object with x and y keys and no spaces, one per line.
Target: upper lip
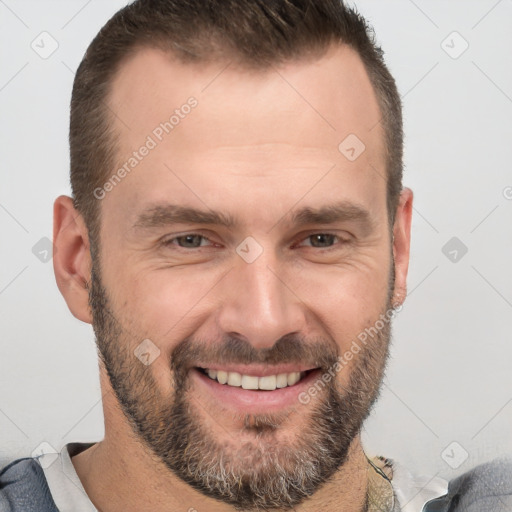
{"x":258,"y":370}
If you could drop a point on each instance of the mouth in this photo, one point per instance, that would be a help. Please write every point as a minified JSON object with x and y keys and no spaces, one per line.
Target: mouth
{"x":256,"y":391}
{"x":254,"y":382}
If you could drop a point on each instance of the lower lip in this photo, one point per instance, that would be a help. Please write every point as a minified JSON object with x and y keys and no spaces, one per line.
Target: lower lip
{"x":255,"y":401}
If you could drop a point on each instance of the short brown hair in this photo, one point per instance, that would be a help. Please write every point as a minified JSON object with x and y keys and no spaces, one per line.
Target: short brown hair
{"x":257,"y":33}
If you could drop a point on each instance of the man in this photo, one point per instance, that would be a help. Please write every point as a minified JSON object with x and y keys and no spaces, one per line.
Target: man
{"x":239,"y":239}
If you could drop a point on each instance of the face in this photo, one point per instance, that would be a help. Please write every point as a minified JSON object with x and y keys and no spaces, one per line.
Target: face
{"x":244,"y":244}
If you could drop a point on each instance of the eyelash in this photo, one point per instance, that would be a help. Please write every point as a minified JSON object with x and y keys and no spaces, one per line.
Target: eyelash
{"x":169,"y":241}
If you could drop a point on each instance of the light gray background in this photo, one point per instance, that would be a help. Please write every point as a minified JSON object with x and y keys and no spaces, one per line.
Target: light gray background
{"x":449,"y":379}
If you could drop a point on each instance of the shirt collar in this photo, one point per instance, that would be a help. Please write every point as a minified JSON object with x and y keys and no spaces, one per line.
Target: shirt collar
{"x":392,"y":488}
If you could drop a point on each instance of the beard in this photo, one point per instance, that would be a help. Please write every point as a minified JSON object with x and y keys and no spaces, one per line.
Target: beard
{"x":263,"y":472}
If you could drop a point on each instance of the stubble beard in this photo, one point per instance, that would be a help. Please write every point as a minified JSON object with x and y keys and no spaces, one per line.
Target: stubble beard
{"x":259,"y":474}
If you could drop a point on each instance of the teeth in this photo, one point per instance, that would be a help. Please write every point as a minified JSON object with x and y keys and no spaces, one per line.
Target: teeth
{"x":269,"y":383}
{"x":222,"y":377}
{"x":249,"y":382}
{"x":282,"y":380}
{"x":293,"y":378}
{"x":235,"y":379}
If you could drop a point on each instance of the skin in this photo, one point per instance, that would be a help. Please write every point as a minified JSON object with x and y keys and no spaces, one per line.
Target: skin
{"x":259,"y":145}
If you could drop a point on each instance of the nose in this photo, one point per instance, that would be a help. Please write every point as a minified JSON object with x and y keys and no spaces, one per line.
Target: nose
{"x":259,"y":302}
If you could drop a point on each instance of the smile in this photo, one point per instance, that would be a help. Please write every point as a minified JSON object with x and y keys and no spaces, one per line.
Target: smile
{"x":265,"y":383}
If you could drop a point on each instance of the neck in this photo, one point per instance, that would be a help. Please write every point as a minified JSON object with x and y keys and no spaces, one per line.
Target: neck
{"x":121,"y":474}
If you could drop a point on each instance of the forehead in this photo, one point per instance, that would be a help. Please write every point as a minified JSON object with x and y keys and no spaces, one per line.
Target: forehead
{"x":333,"y":93}
{"x":287,"y":123}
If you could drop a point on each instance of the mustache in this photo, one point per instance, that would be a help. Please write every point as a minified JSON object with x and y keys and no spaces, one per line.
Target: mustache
{"x":291,"y":348}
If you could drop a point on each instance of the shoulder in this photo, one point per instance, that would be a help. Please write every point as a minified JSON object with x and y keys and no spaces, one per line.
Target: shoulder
{"x":23,"y":487}
{"x":487,"y":486}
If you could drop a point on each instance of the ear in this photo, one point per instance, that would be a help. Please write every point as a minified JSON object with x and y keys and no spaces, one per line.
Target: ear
{"x":72,"y":257}
{"x":401,"y":244}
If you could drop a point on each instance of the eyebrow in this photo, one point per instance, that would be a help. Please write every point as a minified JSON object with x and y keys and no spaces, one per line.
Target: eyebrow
{"x":163,"y":215}
{"x":168,"y":214}
{"x":329,"y":214}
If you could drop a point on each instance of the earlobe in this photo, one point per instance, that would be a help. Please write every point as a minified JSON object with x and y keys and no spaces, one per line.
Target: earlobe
{"x":401,"y":244}
{"x":72,"y":258}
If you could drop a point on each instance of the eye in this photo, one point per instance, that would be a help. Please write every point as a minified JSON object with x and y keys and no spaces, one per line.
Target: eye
{"x":187,"y":241}
{"x":323,"y":240}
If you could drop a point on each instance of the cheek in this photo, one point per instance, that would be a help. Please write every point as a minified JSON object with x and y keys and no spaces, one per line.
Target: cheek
{"x":345,"y":299}
{"x":164,"y":307}
{"x":163,"y":302}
